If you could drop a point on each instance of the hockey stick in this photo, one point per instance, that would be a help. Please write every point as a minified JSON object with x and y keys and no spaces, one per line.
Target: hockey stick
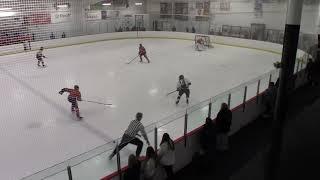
{"x":132,"y":60}
{"x":171,"y":92}
{"x":97,"y":102}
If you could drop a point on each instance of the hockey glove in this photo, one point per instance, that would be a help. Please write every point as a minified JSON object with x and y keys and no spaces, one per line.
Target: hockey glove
{"x":62,"y":91}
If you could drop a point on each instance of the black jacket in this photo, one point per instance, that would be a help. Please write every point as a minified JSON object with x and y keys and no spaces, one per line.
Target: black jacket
{"x":224,"y":121}
{"x":208,"y":136}
{"x":133,"y":173}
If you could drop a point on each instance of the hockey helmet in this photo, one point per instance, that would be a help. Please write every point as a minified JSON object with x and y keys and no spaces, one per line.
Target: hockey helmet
{"x":139,"y":116}
{"x":181,"y":77}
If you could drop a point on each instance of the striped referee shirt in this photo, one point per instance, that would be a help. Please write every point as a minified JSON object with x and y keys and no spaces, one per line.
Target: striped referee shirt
{"x":134,"y":127}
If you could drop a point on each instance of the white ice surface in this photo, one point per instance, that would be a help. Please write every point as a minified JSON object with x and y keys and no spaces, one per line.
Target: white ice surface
{"x":37,"y":129}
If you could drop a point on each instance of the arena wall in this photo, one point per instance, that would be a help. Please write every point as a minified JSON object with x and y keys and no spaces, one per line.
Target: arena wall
{"x":230,"y":41}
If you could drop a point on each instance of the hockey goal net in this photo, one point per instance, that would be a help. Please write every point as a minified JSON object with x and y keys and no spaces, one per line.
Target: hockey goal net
{"x":202,"y":40}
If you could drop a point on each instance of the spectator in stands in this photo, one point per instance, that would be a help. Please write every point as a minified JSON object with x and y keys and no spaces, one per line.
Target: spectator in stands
{"x":63,"y":35}
{"x":208,"y":137}
{"x":211,"y":32}
{"x":133,"y":28}
{"x":133,"y":171}
{"x":223,"y":124}
{"x":208,"y":144}
{"x":193,"y":29}
{"x":33,"y":36}
{"x":310,"y":71}
{"x":52,"y":36}
{"x":269,"y":99}
{"x":120,"y":29}
{"x":166,"y":154}
{"x":149,"y":164}
{"x":174,"y":28}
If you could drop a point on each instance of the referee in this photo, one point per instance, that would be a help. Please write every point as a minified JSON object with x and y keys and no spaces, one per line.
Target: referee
{"x":129,"y":136}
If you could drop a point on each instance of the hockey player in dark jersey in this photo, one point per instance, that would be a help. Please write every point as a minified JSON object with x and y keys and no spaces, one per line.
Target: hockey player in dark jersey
{"x":73,"y":98}
{"x":40,"y":57}
{"x":143,"y":52}
{"x":183,"y":88}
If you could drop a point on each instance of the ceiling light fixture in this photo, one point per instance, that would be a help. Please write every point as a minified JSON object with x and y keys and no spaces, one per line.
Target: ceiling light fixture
{"x":6,"y":14}
{"x":5,"y":9}
{"x":62,"y":6}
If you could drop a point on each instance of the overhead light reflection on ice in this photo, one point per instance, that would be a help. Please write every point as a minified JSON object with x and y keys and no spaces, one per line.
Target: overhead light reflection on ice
{"x":111,"y":74}
{"x":153,"y":91}
{"x":19,"y":94}
{"x":49,"y":123}
{"x":70,"y":79}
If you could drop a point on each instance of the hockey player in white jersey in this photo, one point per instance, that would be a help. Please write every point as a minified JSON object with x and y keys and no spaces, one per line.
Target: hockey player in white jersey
{"x":183,"y":88}
{"x":40,"y":57}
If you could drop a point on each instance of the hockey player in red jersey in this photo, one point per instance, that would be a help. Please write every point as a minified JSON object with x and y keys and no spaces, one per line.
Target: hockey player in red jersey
{"x":143,"y":52}
{"x":73,"y":98}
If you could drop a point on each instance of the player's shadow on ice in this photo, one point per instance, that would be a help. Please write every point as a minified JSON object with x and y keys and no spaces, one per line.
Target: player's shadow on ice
{"x":39,"y":94}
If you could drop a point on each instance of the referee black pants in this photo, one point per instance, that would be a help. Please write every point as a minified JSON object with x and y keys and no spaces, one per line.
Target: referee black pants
{"x":130,"y":140}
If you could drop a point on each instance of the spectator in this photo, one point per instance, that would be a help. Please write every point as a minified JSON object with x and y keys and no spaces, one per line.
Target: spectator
{"x":63,"y":35}
{"x":52,"y":36}
{"x":149,"y":164}
{"x":208,"y":144}
{"x":269,"y":99}
{"x":310,"y":71}
{"x":120,"y":29}
{"x":208,"y":137}
{"x":211,"y":32}
{"x":277,"y":83}
{"x":166,"y":154}
{"x":193,"y":29}
{"x":133,"y":171}
{"x":223,"y":123}
{"x":174,"y":28}
{"x":133,"y":28}
{"x":187,"y":29}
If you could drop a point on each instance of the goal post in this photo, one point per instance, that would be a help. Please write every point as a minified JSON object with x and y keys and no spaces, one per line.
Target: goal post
{"x":205,"y":40}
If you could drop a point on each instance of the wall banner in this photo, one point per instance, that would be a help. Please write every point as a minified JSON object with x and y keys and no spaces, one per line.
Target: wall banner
{"x":59,"y":17}
{"x":93,"y":15}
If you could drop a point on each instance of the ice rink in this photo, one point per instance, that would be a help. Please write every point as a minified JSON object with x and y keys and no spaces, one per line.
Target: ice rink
{"x":38,"y":129}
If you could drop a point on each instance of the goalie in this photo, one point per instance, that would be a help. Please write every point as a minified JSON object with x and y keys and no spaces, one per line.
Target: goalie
{"x":200,"y":44}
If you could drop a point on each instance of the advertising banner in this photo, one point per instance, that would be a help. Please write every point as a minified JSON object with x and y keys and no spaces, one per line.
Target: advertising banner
{"x":93,"y":15}
{"x":59,"y":17}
